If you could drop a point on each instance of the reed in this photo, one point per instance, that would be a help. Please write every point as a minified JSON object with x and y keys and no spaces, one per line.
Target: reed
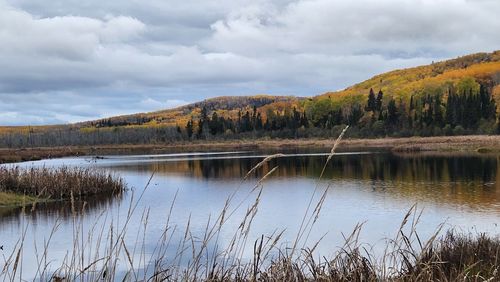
{"x":57,"y":183}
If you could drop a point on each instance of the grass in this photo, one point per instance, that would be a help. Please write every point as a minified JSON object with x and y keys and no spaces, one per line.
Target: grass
{"x":12,"y":199}
{"x":107,"y":255}
{"x":20,"y":186}
{"x":457,"y":257}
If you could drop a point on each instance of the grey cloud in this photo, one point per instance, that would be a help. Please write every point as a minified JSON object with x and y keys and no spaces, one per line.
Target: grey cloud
{"x":83,"y":60}
{"x":62,"y":107}
{"x":340,"y":27}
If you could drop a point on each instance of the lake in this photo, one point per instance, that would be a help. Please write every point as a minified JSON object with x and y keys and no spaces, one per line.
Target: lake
{"x":461,"y":191}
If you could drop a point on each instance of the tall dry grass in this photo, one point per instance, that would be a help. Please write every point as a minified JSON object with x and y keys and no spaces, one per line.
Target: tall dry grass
{"x":58,"y":183}
{"x":103,"y":252}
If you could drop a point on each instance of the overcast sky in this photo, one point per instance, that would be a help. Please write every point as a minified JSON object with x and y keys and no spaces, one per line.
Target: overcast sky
{"x":72,"y":60}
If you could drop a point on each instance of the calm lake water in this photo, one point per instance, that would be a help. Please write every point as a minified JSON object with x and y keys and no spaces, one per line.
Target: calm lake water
{"x":461,"y":191}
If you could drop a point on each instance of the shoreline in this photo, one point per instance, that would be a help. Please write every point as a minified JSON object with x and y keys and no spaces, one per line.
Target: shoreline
{"x":472,"y":143}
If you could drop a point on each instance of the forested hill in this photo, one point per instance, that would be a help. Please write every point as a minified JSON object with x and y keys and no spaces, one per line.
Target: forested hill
{"x":227,"y":105}
{"x":454,"y":97}
{"x":484,"y":67}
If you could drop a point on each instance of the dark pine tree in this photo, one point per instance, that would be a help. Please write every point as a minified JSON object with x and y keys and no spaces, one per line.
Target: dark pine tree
{"x":304,"y":121}
{"x":355,"y":114}
{"x":488,"y":105}
{"x":371,"y":105}
{"x":392,"y":112}
{"x":258,"y":123}
{"x":438,"y":111}
{"x":213,"y":124}
{"x":203,"y":122}
{"x":452,"y":109}
{"x":378,"y":102}
{"x":189,"y":128}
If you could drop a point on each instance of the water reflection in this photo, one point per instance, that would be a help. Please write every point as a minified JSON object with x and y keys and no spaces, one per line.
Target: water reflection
{"x":376,"y":166}
{"x":376,"y":188}
{"x":470,"y":180}
{"x":459,"y":179}
{"x":64,"y":211}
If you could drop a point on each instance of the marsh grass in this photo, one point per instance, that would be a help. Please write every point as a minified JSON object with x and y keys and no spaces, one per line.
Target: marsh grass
{"x":103,"y":253}
{"x":12,"y":199}
{"x":42,"y":183}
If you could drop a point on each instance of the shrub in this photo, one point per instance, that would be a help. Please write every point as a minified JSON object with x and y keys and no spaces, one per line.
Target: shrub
{"x":458,"y":130}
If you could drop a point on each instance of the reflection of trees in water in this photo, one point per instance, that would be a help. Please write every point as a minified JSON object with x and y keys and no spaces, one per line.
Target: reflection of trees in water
{"x":60,"y":209}
{"x":459,"y":178}
{"x":465,"y":180}
{"x":380,"y":167}
{"x":388,"y":167}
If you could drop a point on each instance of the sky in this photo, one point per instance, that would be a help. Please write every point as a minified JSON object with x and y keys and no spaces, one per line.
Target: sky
{"x":70,"y":60}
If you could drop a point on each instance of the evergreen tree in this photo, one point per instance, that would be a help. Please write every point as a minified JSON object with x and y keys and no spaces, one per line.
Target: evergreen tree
{"x":355,"y":114}
{"x":246,"y":123}
{"x":295,"y":119}
{"x":403,"y":118}
{"x":213,"y":124}
{"x":452,"y":109}
{"x":304,"y":121}
{"x":258,"y":122}
{"x":392,"y":112}
{"x":203,"y":122}
{"x":238,"y":123}
{"x":438,"y":118}
{"x":189,"y":128}
{"x":371,"y":104}
{"x":378,"y":102}
{"x":254,"y":116}
{"x":488,"y":105}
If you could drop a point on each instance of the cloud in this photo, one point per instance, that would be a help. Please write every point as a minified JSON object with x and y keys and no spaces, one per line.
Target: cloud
{"x":363,"y":26}
{"x":151,"y":104}
{"x":84,"y":60}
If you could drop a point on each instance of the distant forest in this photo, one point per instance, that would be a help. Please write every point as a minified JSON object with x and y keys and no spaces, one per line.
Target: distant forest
{"x":459,"y":109}
{"x":470,"y":111}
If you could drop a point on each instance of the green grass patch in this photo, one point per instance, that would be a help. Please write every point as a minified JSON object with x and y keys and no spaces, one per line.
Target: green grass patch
{"x":12,"y":199}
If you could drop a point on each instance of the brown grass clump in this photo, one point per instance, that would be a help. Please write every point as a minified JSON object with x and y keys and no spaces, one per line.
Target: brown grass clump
{"x":58,"y":183}
{"x":457,"y":257}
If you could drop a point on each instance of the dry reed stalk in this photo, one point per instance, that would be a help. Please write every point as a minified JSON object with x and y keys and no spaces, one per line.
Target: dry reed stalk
{"x":302,"y":227}
{"x":260,"y":164}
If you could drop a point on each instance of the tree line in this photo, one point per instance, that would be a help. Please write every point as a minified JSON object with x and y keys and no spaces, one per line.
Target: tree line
{"x":245,"y":122}
{"x":464,"y":110}
{"x":454,"y":109}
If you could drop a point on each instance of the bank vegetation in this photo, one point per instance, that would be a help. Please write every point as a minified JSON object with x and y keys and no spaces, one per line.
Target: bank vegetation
{"x":27,"y":185}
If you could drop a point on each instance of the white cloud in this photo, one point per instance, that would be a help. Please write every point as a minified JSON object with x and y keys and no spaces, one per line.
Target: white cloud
{"x":363,"y":26}
{"x":149,"y":104}
{"x":172,"y":103}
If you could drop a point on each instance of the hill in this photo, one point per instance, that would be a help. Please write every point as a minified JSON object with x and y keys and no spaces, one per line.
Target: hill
{"x":398,"y":84}
{"x":453,"y":97}
{"x":228,"y":106}
{"x":483,"y":67}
